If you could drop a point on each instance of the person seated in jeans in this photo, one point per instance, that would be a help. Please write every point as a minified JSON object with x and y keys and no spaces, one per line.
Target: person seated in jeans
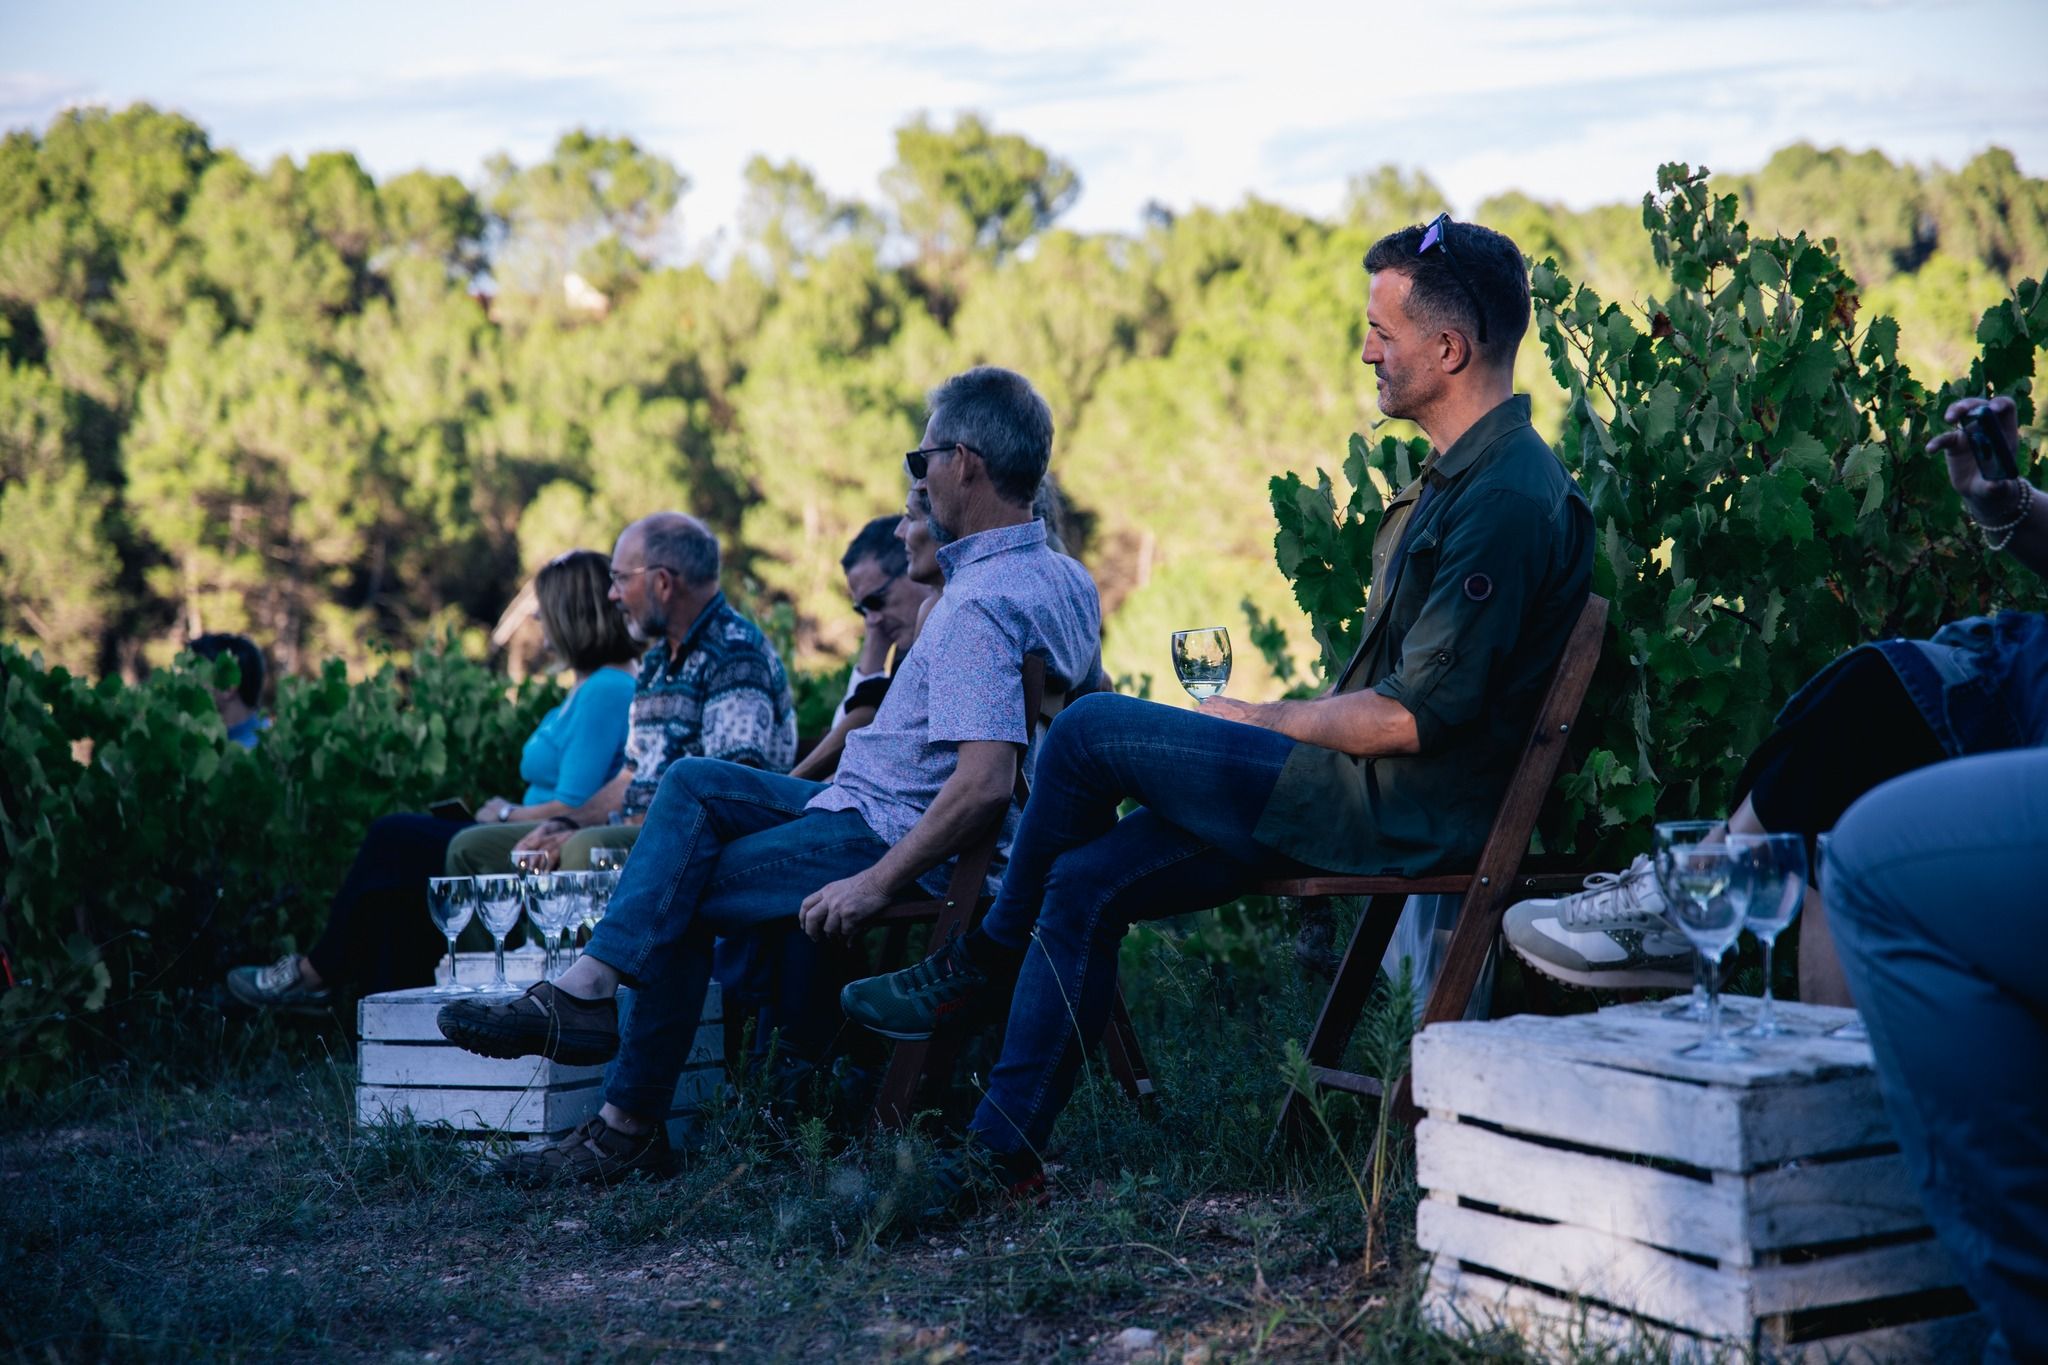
{"x":378,"y":936}
{"x":726,"y":848}
{"x":1978,"y":686}
{"x":711,"y":685}
{"x":1481,"y":569}
{"x":1934,"y":883}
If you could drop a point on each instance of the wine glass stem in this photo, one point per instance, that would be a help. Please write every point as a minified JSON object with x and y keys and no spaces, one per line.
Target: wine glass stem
{"x":454,"y":977}
{"x":1699,"y":979}
{"x":1766,"y":1014}
{"x":1713,"y":1001}
{"x":498,"y":943}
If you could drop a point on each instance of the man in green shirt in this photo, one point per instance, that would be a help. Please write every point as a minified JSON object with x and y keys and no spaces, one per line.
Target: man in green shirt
{"x":1480,"y":569}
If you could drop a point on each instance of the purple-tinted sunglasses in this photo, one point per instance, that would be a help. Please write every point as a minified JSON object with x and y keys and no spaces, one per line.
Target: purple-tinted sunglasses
{"x":1438,"y":235}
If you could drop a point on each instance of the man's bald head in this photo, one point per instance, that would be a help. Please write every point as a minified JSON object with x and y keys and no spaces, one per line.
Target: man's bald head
{"x":673,"y":541}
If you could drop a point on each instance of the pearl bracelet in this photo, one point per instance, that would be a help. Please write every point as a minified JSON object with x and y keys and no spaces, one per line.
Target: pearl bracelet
{"x":2011,"y":528}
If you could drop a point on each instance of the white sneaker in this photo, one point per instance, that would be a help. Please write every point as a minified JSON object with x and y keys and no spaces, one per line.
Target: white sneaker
{"x":1610,"y":936}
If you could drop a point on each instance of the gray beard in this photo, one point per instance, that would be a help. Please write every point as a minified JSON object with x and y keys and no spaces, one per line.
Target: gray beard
{"x":940,"y":535}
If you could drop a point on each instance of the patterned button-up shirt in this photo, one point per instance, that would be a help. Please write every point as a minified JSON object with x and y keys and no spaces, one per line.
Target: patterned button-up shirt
{"x":1007,"y":596}
{"x":722,"y":694}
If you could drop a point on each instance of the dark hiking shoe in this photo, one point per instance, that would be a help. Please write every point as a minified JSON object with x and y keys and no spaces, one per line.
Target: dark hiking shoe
{"x":544,"y":1022}
{"x":278,"y":987}
{"x":964,"y":1181}
{"x":921,"y":998}
{"x":594,"y":1154}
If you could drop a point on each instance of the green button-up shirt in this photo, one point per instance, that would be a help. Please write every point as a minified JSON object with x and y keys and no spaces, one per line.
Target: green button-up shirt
{"x":1464,"y":633}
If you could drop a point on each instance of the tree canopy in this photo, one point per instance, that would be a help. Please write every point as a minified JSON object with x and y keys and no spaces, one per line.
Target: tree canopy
{"x":346,"y":414}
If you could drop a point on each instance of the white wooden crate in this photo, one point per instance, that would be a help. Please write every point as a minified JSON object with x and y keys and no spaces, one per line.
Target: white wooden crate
{"x":1586,"y":1184}
{"x":406,"y":1069}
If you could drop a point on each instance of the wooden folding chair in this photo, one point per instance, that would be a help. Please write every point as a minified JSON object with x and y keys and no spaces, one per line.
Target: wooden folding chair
{"x":1488,"y":889}
{"x":913,"y":1062}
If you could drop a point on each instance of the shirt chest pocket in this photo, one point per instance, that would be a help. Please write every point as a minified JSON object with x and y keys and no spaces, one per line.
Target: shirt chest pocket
{"x":1418,"y":577}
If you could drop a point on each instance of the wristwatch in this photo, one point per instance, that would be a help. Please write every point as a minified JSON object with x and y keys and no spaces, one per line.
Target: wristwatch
{"x":505,"y":813}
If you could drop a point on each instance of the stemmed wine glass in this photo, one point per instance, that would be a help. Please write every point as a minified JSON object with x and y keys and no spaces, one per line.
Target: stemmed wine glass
{"x":1694,"y":1006}
{"x":1775,"y":868}
{"x":1853,"y":1031}
{"x":608,"y":858}
{"x":1201,"y":660}
{"x":451,"y":901}
{"x":543,"y":907}
{"x":602,"y":884}
{"x":499,"y":903}
{"x":1703,"y":886}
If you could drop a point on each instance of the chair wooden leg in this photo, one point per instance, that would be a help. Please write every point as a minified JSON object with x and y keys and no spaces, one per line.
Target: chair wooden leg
{"x":1349,"y":992}
{"x":896,"y":1102}
{"x":1477,"y":929}
{"x":1126,"y":1058}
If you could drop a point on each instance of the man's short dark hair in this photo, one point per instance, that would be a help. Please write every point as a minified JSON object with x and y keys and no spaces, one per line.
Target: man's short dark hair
{"x":877,"y":541}
{"x":248,"y":659}
{"x":681,"y":544}
{"x":1491,"y":263}
{"x":997,"y":412}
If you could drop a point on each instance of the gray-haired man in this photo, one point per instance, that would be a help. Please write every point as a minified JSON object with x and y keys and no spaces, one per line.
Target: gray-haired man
{"x":727,"y":848}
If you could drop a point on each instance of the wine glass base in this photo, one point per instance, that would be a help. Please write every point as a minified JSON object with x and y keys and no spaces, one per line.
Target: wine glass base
{"x":1695,"y":1012}
{"x":1763,"y":1028}
{"x":1716,"y":1050}
{"x":1851,"y":1032}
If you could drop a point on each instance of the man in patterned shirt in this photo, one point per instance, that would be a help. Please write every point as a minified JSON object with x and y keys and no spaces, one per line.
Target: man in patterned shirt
{"x":727,"y":848}
{"x":711,"y":687}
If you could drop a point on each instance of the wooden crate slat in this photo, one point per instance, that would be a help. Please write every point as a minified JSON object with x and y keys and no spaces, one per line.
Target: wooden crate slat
{"x":1461,"y":1301}
{"x":1594,"y":1264}
{"x":1528,"y":1078}
{"x":1853,"y":1277}
{"x":515,"y":1111}
{"x":1830,"y":1201}
{"x":444,"y":1064}
{"x":1604,"y":1193}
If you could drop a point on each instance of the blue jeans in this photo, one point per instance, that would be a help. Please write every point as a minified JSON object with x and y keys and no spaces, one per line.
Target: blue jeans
{"x":1079,"y":877}
{"x":725,"y":849}
{"x":1934,"y":894}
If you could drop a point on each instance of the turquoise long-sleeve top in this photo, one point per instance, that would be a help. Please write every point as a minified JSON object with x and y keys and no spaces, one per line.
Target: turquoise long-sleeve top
{"x":581,"y":744}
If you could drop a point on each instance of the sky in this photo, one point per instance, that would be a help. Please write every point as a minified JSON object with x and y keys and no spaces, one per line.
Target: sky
{"x":1190,"y":102}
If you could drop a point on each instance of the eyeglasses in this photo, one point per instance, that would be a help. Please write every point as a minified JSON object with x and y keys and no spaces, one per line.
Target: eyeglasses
{"x":918,"y":461}
{"x":877,"y":599}
{"x":1439,"y":235}
{"x":619,"y":576}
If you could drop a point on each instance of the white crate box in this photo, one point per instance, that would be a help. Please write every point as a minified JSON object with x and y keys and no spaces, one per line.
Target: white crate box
{"x":406,"y":1069}
{"x":1584,"y":1183}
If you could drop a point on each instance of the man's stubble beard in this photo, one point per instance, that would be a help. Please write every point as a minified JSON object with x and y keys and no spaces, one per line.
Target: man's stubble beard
{"x":940,"y":534}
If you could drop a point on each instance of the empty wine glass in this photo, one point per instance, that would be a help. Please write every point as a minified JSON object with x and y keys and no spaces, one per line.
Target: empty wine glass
{"x":528,"y":861}
{"x":1694,"y":1006}
{"x":451,"y":901}
{"x":602,"y":884}
{"x":1853,"y":1031}
{"x":608,"y":858}
{"x":1201,"y":660}
{"x":1775,"y":868}
{"x":542,"y":903}
{"x":1697,"y":881}
{"x":499,"y":903}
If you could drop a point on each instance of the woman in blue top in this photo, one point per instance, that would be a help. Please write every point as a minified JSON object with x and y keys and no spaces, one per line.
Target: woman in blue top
{"x":378,"y":936}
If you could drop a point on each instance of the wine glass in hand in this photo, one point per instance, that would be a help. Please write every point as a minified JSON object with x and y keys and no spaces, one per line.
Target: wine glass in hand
{"x":1706,"y":903}
{"x":451,"y":901}
{"x":1201,"y":660}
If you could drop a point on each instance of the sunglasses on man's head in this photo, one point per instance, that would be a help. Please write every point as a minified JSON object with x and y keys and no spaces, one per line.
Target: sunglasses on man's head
{"x":918,"y":461}
{"x":1438,"y":237}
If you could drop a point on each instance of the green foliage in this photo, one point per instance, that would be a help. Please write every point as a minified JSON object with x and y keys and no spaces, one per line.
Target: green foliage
{"x":145,"y":853}
{"x":1760,"y":489}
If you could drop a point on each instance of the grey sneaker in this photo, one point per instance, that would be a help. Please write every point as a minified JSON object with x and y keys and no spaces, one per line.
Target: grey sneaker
{"x":1610,"y":936}
{"x":278,"y":987}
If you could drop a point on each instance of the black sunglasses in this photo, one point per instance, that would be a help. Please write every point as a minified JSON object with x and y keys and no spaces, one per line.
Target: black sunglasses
{"x":1439,"y":235}
{"x":877,"y":599}
{"x":918,"y":461}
